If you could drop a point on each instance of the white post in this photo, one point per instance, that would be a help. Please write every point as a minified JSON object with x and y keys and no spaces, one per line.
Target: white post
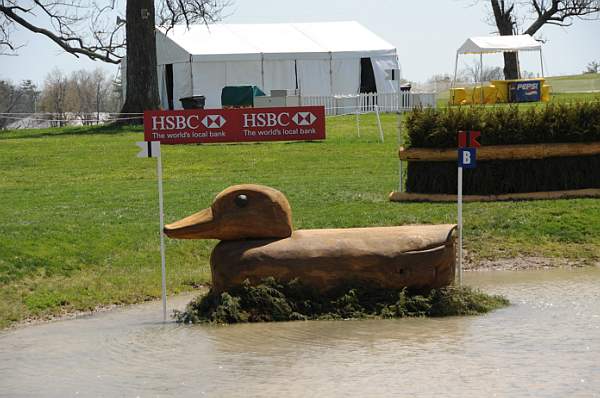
{"x":379,"y":123}
{"x":162,"y":237}
{"x":542,"y":61}
{"x":460,"y":224}
{"x":357,"y":121}
{"x":400,"y":142}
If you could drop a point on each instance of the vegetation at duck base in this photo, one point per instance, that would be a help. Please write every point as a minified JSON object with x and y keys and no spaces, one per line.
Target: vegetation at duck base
{"x":79,"y":214}
{"x":272,"y":301}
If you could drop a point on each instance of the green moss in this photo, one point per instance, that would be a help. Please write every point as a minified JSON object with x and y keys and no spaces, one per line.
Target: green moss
{"x":273,"y":301}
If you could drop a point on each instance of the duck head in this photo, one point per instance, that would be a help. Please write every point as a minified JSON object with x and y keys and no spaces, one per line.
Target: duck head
{"x":240,"y":212}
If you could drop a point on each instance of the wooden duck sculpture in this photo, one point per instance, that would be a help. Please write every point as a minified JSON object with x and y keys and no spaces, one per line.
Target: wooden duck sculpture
{"x":254,"y":224}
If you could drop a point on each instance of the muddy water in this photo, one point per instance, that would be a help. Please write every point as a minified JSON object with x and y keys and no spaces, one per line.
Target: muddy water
{"x":547,"y":344}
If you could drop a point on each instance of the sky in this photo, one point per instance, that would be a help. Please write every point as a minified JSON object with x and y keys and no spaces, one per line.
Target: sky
{"x":426,"y":34}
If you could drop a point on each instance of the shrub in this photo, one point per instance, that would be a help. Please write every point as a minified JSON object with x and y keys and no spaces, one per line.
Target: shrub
{"x":437,"y":128}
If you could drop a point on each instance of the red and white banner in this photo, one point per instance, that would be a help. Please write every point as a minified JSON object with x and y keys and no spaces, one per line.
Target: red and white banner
{"x":235,"y":125}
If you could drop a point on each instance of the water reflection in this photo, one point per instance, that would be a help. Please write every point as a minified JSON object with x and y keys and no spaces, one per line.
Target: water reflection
{"x":546,"y":344}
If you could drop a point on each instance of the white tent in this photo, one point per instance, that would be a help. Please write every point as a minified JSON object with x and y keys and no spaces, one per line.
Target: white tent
{"x":312,"y":58}
{"x":496,"y":44}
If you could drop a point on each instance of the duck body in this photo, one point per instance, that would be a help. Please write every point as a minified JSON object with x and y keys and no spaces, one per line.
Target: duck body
{"x":253,"y":223}
{"x":419,"y":257}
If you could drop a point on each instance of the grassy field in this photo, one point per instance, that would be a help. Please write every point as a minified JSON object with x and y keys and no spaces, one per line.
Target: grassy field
{"x":79,"y":219}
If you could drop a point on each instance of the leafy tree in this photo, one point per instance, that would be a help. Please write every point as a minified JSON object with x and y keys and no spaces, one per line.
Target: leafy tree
{"x":96,"y":29}
{"x":529,"y":16}
{"x":16,"y":99}
{"x":592,"y":67}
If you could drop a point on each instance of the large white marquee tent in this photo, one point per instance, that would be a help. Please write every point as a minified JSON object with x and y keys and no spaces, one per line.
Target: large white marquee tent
{"x":314,"y":59}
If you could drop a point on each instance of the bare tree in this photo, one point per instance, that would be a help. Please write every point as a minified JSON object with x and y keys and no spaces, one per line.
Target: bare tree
{"x":510,"y":17}
{"x":87,"y":94}
{"x":474,"y":74}
{"x":96,"y":29}
{"x":54,"y":96}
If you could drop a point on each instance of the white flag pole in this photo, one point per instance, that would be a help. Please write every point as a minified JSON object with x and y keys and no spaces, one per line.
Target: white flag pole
{"x":379,"y":123}
{"x":460,"y":223}
{"x":357,"y":120}
{"x":162,"y":236}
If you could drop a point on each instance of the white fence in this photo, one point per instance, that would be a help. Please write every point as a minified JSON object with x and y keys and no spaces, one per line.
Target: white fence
{"x":364,"y":103}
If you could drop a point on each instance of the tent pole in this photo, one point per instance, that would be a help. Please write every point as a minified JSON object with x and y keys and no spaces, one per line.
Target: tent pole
{"x":542,"y":61}
{"x":191,"y":75}
{"x":454,"y":79}
{"x":481,"y":76}
{"x":331,"y":73}
{"x":262,"y":70}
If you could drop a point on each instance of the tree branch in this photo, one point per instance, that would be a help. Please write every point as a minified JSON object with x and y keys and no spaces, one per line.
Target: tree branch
{"x":106,"y":48}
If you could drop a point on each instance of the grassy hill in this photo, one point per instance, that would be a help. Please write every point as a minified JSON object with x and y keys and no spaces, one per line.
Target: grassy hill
{"x":575,"y":83}
{"x":79,"y":217}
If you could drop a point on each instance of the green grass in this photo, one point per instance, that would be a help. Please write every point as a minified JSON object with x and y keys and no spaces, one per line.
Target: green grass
{"x":79,"y":214}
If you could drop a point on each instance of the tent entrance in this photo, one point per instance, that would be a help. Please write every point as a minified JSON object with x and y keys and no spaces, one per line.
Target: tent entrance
{"x":169,"y":82}
{"x":367,"y":76}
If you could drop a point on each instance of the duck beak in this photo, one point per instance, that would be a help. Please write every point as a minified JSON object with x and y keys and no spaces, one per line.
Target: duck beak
{"x":197,"y":226}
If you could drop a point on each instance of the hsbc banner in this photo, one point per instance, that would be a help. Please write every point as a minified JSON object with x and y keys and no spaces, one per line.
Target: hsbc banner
{"x":235,"y":125}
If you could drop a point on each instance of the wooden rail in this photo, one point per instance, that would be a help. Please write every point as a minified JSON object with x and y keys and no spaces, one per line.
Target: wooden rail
{"x":504,"y":152}
{"x":424,"y":197}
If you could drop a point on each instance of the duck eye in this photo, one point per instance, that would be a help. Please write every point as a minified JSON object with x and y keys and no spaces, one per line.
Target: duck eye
{"x":241,"y":200}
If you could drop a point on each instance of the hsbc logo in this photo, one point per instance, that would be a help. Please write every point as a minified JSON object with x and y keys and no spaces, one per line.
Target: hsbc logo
{"x":304,"y":118}
{"x":213,"y":121}
{"x":182,"y":122}
{"x":270,"y":119}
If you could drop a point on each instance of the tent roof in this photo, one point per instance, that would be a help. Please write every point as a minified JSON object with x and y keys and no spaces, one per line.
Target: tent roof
{"x":494,"y":44}
{"x":202,"y":41}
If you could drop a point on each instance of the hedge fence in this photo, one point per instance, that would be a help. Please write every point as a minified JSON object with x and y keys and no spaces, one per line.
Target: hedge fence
{"x":553,"y":123}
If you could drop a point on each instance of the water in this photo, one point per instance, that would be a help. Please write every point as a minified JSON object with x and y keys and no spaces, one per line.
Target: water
{"x":547,"y":344}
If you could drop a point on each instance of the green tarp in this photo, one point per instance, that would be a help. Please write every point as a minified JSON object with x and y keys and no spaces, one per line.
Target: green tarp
{"x":240,"y":95}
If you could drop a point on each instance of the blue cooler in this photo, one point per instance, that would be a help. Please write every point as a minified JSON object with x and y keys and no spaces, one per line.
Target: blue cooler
{"x":525,"y":91}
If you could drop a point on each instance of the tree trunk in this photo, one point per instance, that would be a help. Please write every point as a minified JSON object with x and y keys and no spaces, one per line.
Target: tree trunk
{"x":511,"y":66}
{"x":141,"y":74}
{"x":505,"y":25}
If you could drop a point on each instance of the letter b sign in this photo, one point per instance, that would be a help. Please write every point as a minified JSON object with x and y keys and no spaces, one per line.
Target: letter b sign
{"x":467,"y":158}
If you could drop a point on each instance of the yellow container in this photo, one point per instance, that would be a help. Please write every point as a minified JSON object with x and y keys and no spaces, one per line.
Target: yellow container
{"x":457,"y":96}
{"x":484,"y":95}
{"x":546,"y":90}
{"x":501,"y":90}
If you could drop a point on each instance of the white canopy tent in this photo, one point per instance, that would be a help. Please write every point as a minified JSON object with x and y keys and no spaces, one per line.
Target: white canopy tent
{"x":496,"y":44}
{"x":311,"y":58}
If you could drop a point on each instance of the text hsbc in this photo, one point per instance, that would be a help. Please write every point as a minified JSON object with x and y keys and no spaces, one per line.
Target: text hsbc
{"x":175,"y":122}
{"x":266,"y":119}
